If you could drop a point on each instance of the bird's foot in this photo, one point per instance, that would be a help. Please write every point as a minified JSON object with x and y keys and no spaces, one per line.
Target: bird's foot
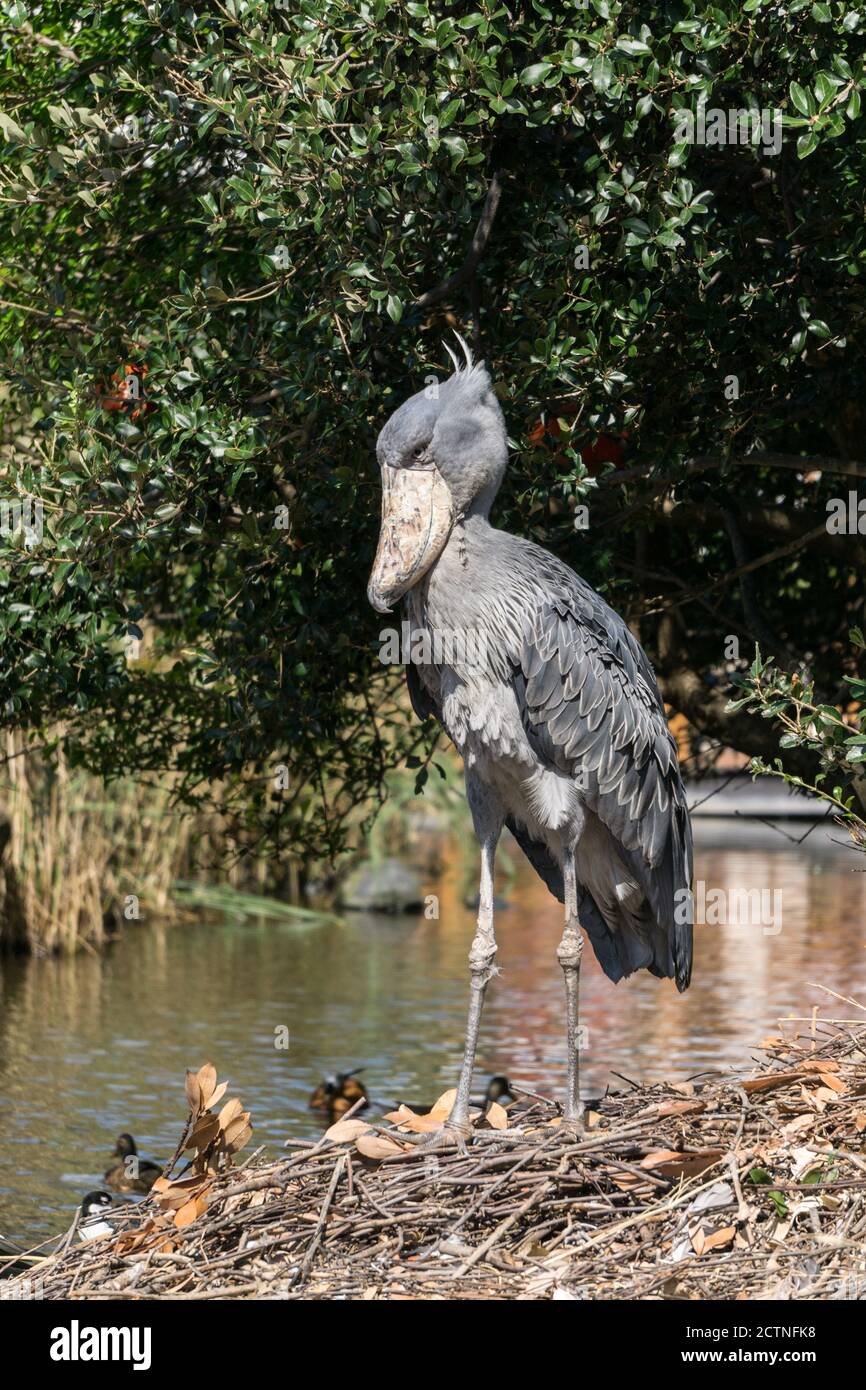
{"x":451,"y":1135}
{"x":575,"y":1129}
{"x":573,"y":1124}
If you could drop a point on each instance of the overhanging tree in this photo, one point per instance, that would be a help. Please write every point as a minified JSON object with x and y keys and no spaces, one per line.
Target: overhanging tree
{"x":232,"y":241}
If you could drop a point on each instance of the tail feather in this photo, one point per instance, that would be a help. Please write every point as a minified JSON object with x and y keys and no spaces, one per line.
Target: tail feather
{"x":624,"y":939}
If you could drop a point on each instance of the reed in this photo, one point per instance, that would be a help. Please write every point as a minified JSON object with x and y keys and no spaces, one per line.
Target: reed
{"x":77,"y":858}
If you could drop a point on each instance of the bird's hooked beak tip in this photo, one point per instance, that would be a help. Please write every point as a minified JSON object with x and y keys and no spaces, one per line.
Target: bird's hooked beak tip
{"x":377,"y":602}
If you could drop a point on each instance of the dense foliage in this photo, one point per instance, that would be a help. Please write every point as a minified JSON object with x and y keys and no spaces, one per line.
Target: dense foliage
{"x":837,"y":738}
{"x":223,"y":229}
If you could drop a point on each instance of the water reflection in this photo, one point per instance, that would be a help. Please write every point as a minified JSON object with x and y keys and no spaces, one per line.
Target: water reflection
{"x":91,"y":1046}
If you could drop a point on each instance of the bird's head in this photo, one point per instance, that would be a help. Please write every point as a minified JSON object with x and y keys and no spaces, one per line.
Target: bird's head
{"x":442,"y":455}
{"x":125,"y":1146}
{"x":96,"y":1202}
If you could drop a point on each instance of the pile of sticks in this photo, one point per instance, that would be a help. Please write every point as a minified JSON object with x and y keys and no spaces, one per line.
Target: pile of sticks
{"x":747,"y":1185}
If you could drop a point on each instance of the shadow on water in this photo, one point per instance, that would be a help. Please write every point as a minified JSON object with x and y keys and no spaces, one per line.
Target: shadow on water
{"x":93,"y":1045}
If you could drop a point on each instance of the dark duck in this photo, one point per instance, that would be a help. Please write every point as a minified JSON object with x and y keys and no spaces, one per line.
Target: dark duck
{"x":131,"y":1173}
{"x":337,"y":1094}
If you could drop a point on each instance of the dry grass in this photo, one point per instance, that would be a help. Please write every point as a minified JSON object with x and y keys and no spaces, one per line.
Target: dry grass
{"x":76,"y":852}
{"x":741,"y":1186}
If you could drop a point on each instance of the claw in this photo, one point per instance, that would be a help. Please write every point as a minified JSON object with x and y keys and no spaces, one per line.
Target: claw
{"x":573,"y":1127}
{"x":451,"y":1135}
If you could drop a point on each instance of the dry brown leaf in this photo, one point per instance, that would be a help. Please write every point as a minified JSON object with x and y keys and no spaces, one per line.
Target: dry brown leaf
{"x":797,"y":1126}
{"x":418,"y":1124}
{"x":236,"y":1127}
{"x":185,"y":1215}
{"x":625,"y":1181}
{"x":179,"y":1192}
{"x":206,"y":1079}
{"x":670,"y":1163}
{"x":346,"y":1131}
{"x":715,"y":1240}
{"x":591,"y":1119}
{"x":859,"y":1121}
{"x":240,"y":1138}
{"x":204,"y":1131}
{"x":444,"y":1105}
{"x":685,"y":1088}
{"x":496,"y":1116}
{"x":193,"y":1092}
{"x":814,"y":1064}
{"x":377,"y":1146}
{"x":678,"y":1107}
{"x":230,"y":1111}
{"x":834,"y":1083}
{"x":772,"y":1081}
{"x":217,"y":1095}
{"x":152,"y":1232}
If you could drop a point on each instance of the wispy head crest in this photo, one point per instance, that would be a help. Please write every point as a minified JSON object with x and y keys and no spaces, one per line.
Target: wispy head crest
{"x":469,"y":366}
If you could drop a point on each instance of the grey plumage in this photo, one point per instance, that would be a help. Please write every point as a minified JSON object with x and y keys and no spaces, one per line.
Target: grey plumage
{"x":590,"y":709}
{"x":557,"y":714}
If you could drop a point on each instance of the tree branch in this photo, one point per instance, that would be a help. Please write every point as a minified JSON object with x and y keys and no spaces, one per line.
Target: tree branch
{"x":778,"y":554}
{"x":705,"y":707}
{"x":473,"y":255}
{"x":805,"y":463}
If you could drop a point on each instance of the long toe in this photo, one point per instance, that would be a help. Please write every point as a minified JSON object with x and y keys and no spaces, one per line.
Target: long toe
{"x":448,"y":1137}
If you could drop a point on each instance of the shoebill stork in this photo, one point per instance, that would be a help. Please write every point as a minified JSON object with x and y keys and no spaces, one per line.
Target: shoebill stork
{"x":550,"y":700}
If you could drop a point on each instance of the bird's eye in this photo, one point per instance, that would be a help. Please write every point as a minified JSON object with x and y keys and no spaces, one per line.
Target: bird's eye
{"x":418,"y":451}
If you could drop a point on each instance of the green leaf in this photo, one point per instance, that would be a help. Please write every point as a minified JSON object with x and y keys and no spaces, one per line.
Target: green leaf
{"x":11,"y":129}
{"x":535,"y":73}
{"x":602,"y":73}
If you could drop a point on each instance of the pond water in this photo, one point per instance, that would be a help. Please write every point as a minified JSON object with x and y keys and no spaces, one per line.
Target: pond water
{"x":94,"y":1045}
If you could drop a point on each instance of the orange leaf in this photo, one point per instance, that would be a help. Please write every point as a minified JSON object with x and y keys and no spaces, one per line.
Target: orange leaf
{"x":833,"y":1082}
{"x":670,"y":1163}
{"x":418,"y":1124}
{"x":185,"y":1215}
{"x":715,"y":1240}
{"x":444,"y":1105}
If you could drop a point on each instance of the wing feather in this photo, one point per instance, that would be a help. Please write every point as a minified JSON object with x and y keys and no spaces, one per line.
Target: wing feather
{"x":590,"y":703}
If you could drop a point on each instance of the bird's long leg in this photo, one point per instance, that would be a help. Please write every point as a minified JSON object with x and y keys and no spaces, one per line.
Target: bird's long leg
{"x":488,"y":826}
{"x":569,"y":953}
